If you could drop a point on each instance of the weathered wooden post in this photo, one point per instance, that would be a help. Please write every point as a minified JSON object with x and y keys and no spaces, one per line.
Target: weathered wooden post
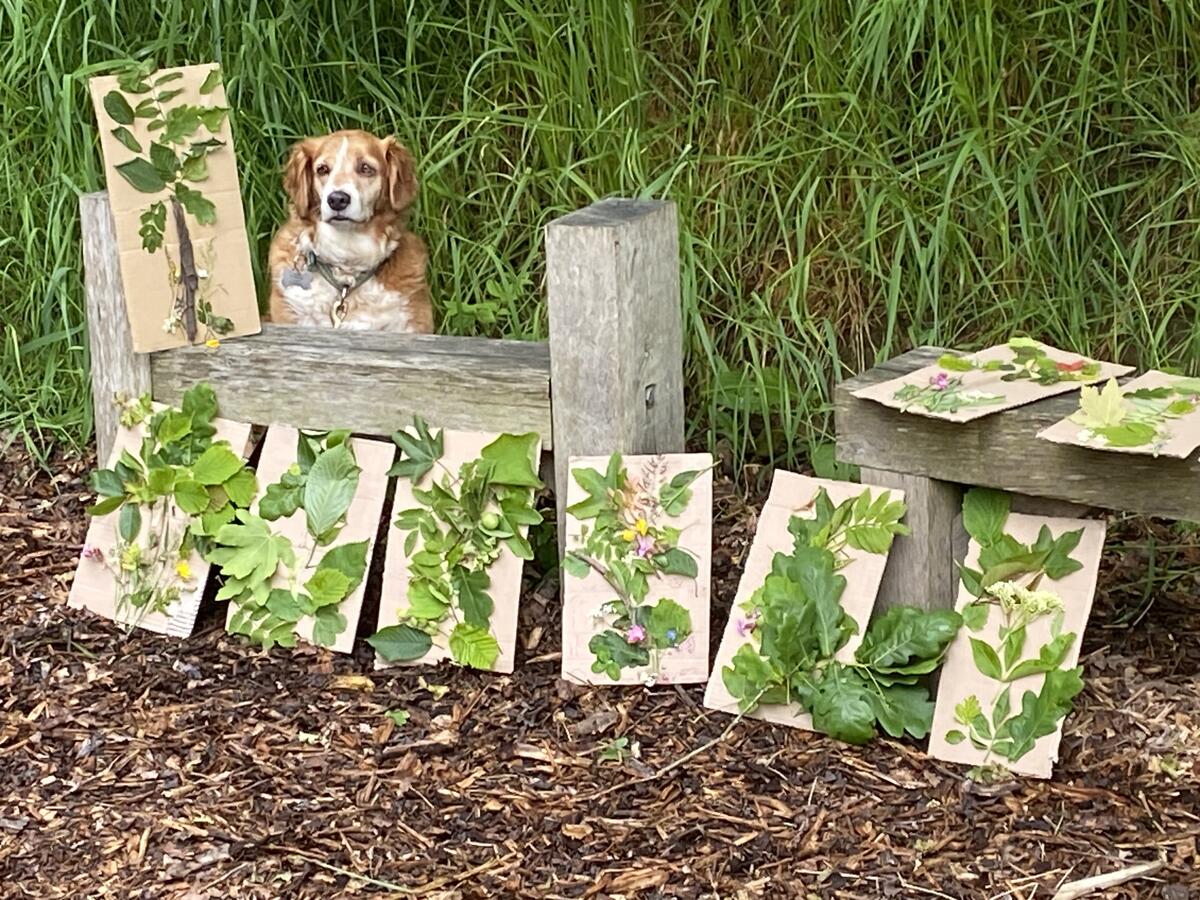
{"x":616,"y":333}
{"x":116,"y":369}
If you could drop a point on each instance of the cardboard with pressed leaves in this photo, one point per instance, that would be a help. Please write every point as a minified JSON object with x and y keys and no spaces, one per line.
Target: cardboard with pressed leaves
{"x":627,"y":514}
{"x":95,"y":586}
{"x":373,"y":458}
{"x":793,"y":495}
{"x":503,"y":575}
{"x":999,"y":700}
{"x":177,"y":207}
{"x":995,"y":379}
{"x":1155,"y":414}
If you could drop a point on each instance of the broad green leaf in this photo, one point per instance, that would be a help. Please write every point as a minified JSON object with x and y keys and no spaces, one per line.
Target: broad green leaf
{"x":986,"y":660}
{"x":975,"y":615}
{"x":473,"y":646}
{"x":140,"y":173}
{"x":669,"y":623}
{"x":952,"y":363}
{"x":575,"y":567}
{"x":105,"y":506}
{"x":1041,"y":712}
{"x":512,"y":460}
{"x":841,"y":706}
{"x":905,"y":635}
{"x":598,"y":490}
{"x":191,"y":496}
{"x":423,"y":604}
{"x":107,"y":483}
{"x":328,"y":623}
{"x":285,"y":605}
{"x":249,"y":549}
{"x":211,"y":82}
{"x":676,"y":561}
{"x":473,"y":599}
{"x":903,"y":710}
{"x":126,"y":139}
{"x":327,"y":586}
{"x":400,"y":643}
{"x":216,"y":465}
{"x":241,"y":487}
{"x":348,"y":559}
{"x":677,"y":493}
{"x":1128,"y":434}
{"x":984,"y":513}
{"x":118,"y":108}
{"x":130,"y":522}
{"x":329,"y":489}
{"x":164,"y":161}
{"x":161,"y":481}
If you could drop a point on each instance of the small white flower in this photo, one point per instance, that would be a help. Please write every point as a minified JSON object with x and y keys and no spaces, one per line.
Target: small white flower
{"x":1014,"y":598}
{"x":201,"y":273}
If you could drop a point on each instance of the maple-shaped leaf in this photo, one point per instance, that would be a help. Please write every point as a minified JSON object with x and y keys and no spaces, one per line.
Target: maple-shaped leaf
{"x":1100,"y":408}
{"x":418,"y":452}
{"x":250,"y":550}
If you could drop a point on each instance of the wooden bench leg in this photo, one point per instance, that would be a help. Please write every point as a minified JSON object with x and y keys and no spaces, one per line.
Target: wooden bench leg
{"x":920,"y":570}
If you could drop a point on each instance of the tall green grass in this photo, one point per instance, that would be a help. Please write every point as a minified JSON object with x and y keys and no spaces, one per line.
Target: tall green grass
{"x":853,"y":177}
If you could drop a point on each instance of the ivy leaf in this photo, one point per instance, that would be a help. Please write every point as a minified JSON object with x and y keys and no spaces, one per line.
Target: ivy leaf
{"x":142,"y":175}
{"x":473,"y":646}
{"x":191,"y":496}
{"x":130,"y":522}
{"x":669,"y":623}
{"x":677,"y":493}
{"x":986,"y":660}
{"x":984,"y":513}
{"x":400,"y":643}
{"x":418,"y":452}
{"x":118,"y":108}
{"x":250,"y":550}
{"x":348,"y":559}
{"x":327,"y":587}
{"x":597,"y":489}
{"x":676,"y":561}
{"x":512,"y":460}
{"x":329,"y":489}
{"x":327,"y":625}
{"x":613,"y":653}
{"x":197,"y":205}
{"x":1058,"y":562}
{"x":473,"y":599}
{"x":126,"y":139}
{"x":905,"y":635}
{"x":211,"y":82}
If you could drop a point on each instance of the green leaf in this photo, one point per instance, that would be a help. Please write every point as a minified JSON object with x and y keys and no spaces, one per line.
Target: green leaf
{"x":841,"y":706}
{"x":986,"y":660}
{"x":241,"y":487}
{"x":213,"y":117}
{"x":905,"y":635}
{"x":1040,"y":713}
{"x":107,"y":483}
{"x":191,"y":496}
{"x":954,"y":736}
{"x":118,"y":108}
{"x":250,"y":550}
{"x":283,"y":497}
{"x":952,"y":363}
{"x":142,"y":175}
{"x":676,"y":561}
{"x":130,"y":522}
{"x":677,"y":493}
{"x":614,"y":653}
{"x":903,"y":710}
{"x":211,"y":82}
{"x":984,"y":513}
{"x":1059,"y":563}
{"x":398,"y":716}
{"x":473,"y":646}
{"x":975,"y":615}
{"x":161,"y":481}
{"x":669,"y":624}
{"x":153,"y":223}
{"x":348,"y":559}
{"x":285,"y":605}
{"x":327,"y":625}
{"x":194,"y":168}
{"x":752,"y":679}
{"x":327,"y":587}
{"x":968,"y":710}
{"x":196,"y":204}
{"x":330,"y":489}
{"x":512,"y":460}
{"x":126,"y":139}
{"x":418,"y":452}
{"x":164,"y":161}
{"x":473,"y":599}
{"x":216,"y":465}
{"x":423,"y":604}
{"x":104,"y":507}
{"x":400,"y":643}
{"x":575,"y":567}
{"x":597,"y":500}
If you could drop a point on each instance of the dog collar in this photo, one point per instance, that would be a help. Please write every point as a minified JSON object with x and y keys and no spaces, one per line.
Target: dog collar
{"x":344,"y":288}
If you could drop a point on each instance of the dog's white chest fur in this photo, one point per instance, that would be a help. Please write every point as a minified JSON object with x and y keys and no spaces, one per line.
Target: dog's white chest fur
{"x":312,"y":297}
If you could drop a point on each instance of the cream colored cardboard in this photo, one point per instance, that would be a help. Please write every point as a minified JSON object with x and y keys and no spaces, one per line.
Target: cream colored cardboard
{"x":505,"y":572}
{"x":960,"y":678}
{"x":1182,"y":435}
{"x":1014,"y":393}
{"x":362,"y":519}
{"x":222,"y":250}
{"x":95,"y":586}
{"x":687,"y":663}
{"x":793,"y":495}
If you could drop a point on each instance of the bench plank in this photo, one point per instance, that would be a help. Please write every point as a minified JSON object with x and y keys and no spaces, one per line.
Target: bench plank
{"x":371,"y":382}
{"x":1002,"y":451}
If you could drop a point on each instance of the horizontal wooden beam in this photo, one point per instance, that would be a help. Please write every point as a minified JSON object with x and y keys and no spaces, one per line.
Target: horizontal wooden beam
{"x":371,"y":382}
{"x":1002,"y":451}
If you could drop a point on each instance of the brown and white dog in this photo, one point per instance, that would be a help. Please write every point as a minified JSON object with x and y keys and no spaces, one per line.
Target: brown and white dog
{"x":345,"y":257}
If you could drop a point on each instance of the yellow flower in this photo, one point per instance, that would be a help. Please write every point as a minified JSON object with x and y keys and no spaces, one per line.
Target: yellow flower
{"x":642,"y":526}
{"x":212,"y":343}
{"x":183,"y":569}
{"x":628,"y":535}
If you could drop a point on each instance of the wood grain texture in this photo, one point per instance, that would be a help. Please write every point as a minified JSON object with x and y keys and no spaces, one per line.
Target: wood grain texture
{"x":117,"y":372}
{"x":920,"y":569}
{"x":370,"y":382}
{"x":1003,"y":451}
{"x":616,"y":333}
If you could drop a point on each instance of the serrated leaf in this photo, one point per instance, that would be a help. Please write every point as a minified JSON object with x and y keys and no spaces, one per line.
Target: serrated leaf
{"x":282,"y":498}
{"x":329,"y":489}
{"x":473,"y":599}
{"x":841,"y":706}
{"x":902,"y":710}
{"x":285,"y":605}
{"x":753,"y":680}
{"x":1101,"y":408}
{"x":327,"y":587}
{"x":241,"y":487}
{"x":348,"y":559}
{"x":250,"y":550}
{"x":904,"y":636}
{"x":216,"y":465}
{"x":418,"y":452}
{"x":952,"y":363}
{"x":400,"y":643}
{"x":191,"y":496}
{"x":475,"y":647}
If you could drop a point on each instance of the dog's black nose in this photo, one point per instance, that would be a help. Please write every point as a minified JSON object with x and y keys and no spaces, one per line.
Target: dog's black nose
{"x":338,"y":200}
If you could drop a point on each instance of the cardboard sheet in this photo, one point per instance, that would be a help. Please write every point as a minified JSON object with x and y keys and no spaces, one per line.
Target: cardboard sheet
{"x":222,"y":249}
{"x":1178,"y":437}
{"x":582,"y":597}
{"x":362,"y":519}
{"x":793,"y":495}
{"x":959,"y":676}
{"x":95,"y":586}
{"x":1010,"y":393}
{"x":505,"y":572}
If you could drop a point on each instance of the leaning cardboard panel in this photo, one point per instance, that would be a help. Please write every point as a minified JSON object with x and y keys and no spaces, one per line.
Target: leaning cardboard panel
{"x":374,"y":458}
{"x":504,"y":573}
{"x":187,"y":174}
{"x":791,"y":496}
{"x":95,"y":585}
{"x":955,"y":396}
{"x":1161,"y":419}
{"x":960,"y":676}
{"x":647,"y":527}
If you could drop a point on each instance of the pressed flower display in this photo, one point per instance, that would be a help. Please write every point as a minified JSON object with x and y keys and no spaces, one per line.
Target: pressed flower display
{"x":174,"y":471}
{"x":464,"y":504}
{"x":636,"y":569}
{"x":1011,"y":675}
{"x":797,"y":649}
{"x":960,"y":388}
{"x":1155,"y":414}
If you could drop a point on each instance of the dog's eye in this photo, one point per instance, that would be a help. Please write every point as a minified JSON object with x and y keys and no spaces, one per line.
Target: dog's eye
{"x":366,"y":169}
{"x":322,"y":170}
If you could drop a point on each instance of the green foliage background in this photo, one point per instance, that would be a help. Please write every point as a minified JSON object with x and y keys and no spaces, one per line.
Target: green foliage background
{"x":853,"y":177}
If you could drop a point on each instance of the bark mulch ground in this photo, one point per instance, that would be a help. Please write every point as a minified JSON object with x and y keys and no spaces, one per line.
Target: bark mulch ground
{"x":141,"y":766}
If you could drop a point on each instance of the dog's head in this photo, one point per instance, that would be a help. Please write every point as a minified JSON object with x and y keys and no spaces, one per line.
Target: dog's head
{"x":349,"y":177}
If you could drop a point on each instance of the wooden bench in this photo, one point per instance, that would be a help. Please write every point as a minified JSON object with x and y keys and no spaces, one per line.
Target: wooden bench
{"x":933,"y":461}
{"x":614,"y":360}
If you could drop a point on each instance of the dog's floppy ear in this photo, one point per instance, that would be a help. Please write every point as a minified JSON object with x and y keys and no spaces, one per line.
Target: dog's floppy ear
{"x":298,"y":177}
{"x":401,"y":175}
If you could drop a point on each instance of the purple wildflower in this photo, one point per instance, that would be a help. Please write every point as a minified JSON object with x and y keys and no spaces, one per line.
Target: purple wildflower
{"x":636,"y":634}
{"x":940,"y":381}
{"x":746,"y":626}
{"x":645,"y":545}
{"x":92,"y":552}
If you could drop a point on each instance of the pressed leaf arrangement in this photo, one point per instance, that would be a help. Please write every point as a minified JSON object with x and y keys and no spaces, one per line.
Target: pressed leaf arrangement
{"x":167,"y":494}
{"x":794,"y":626}
{"x":466,"y":517}
{"x":271,"y":583}
{"x":1029,"y":362}
{"x":630,"y":539}
{"x":1135,"y":418}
